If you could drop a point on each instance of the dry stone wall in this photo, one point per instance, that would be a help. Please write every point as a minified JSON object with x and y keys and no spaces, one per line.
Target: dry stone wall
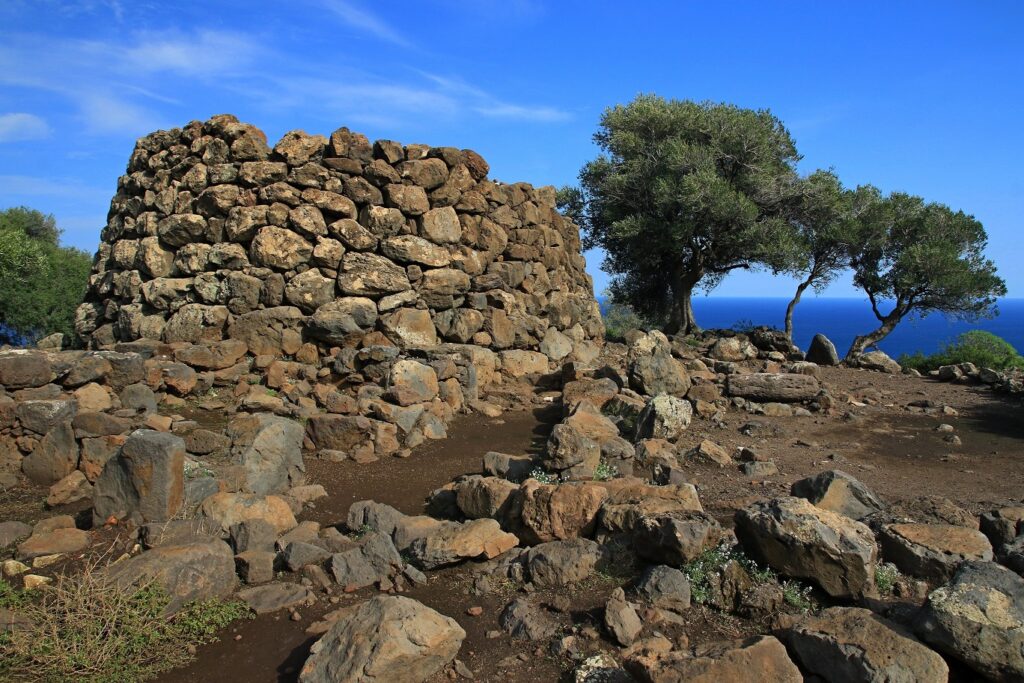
{"x":333,"y":242}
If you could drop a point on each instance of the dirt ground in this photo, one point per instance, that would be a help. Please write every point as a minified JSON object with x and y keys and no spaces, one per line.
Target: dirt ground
{"x":873,"y":435}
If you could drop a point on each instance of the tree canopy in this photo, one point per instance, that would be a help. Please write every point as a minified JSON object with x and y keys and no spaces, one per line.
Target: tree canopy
{"x":682,"y":194}
{"x":41,"y":282}
{"x":921,"y":257}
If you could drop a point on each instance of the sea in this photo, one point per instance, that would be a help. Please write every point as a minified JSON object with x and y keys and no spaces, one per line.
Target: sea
{"x":841,"y":319}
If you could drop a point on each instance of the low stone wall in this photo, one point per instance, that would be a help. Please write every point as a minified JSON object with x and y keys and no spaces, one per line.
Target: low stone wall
{"x":332,"y":242}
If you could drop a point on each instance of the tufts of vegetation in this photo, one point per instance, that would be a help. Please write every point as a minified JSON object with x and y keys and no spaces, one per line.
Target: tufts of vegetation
{"x":605,"y":471}
{"x":982,"y":348}
{"x":361,"y":531}
{"x":84,"y":628}
{"x":886,"y":576}
{"x":710,"y":562}
{"x":621,"y":318}
{"x":542,"y":476}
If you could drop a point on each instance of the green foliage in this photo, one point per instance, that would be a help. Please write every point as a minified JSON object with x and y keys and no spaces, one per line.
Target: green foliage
{"x":924,"y":257}
{"x":12,"y":598}
{"x":710,"y":562}
{"x":41,"y":283}
{"x":682,"y":194}
{"x":542,"y":476}
{"x":605,"y":471}
{"x":797,"y":595}
{"x":87,"y":629}
{"x":620,"y":318}
{"x":886,"y":575}
{"x":982,"y":348}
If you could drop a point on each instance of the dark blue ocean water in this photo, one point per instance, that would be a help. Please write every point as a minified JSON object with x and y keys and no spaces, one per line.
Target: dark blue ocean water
{"x":843,"y":319}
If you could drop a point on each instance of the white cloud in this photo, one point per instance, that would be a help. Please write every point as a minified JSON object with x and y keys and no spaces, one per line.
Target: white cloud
{"x":205,"y":53}
{"x":502,"y":110}
{"x":364,"y":21}
{"x":19,"y":127}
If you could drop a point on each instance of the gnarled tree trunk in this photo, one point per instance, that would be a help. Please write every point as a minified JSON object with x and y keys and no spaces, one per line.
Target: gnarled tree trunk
{"x":681,"y":319}
{"x":863,"y":341}
{"x":792,"y":305}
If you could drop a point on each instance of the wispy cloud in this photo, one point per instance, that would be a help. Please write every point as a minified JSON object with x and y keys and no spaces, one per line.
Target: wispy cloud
{"x":363,"y":20}
{"x":518,"y":112}
{"x":19,"y":127}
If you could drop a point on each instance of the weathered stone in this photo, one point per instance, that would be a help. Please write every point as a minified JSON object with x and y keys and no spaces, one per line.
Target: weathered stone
{"x":333,"y":322}
{"x":675,"y":538}
{"x":42,"y":416}
{"x":228,"y":509}
{"x":413,"y":249}
{"x":838,"y":492}
{"x":822,"y":351}
{"x":441,"y":225}
{"x":569,"y":448}
{"x":710,"y":453}
{"x":53,"y":458}
{"x":521,"y":618}
{"x":978,"y":618}
{"x":878,"y":361}
{"x":451,"y":542}
{"x":781,"y":388}
{"x":411,"y":382}
{"x":269,"y":450}
{"x":21,"y":370}
{"x":1003,"y":525}
{"x":665,"y":587}
{"x":797,"y":539}
{"x":197,"y":571}
{"x":55,"y":542}
{"x":558,"y":563}
{"x":364,"y":274}
{"x":932,"y":551}
{"x":387,"y":638}
{"x":70,"y":489}
{"x":309,"y":290}
{"x":374,"y":558}
{"x":761,"y":658}
{"x":551,"y":512}
{"x":621,"y":619}
{"x":410,"y":327}
{"x":850,"y":645}
{"x":279,"y":248}
{"x":274,"y":597}
{"x":658,"y":373}
{"x":144,"y":482}
{"x":521,"y":363}
{"x":664,"y":417}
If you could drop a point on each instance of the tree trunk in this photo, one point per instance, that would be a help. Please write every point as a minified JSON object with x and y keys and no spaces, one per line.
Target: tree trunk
{"x":865,"y":340}
{"x":792,"y":305}
{"x":681,"y":319}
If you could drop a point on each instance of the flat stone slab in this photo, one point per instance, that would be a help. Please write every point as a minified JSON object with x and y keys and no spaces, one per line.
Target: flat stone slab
{"x":932,"y":551}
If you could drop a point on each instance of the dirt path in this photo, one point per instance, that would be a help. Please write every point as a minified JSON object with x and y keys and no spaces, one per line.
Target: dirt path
{"x":272,"y":648}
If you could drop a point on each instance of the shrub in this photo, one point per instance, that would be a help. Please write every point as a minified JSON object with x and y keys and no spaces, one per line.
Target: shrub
{"x":982,"y":348}
{"x":85,"y":628}
{"x":620,"y":319}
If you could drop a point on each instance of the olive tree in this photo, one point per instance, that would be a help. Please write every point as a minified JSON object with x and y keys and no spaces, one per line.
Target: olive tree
{"x":916,"y":257}
{"x":823,"y":225}
{"x":682,"y":194}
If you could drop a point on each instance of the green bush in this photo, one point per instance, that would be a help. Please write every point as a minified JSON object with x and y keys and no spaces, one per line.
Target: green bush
{"x":984,"y":349}
{"x":41,"y":282}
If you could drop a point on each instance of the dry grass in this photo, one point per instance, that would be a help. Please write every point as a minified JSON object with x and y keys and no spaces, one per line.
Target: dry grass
{"x":85,"y":628}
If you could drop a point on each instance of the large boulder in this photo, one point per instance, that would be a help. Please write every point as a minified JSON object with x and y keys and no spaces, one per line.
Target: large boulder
{"x":657,"y":373}
{"x":664,"y":417}
{"x":932,"y":551}
{"x":877,"y":361}
{"x":822,"y":351}
{"x":770,"y":387}
{"x":569,"y":449}
{"x":144,"y":482}
{"x":675,"y":538}
{"x":838,"y":492}
{"x":195,"y":571}
{"x":386,"y":638}
{"x":373,"y":559}
{"x":451,"y":542}
{"x":411,"y":382}
{"x":269,"y":450}
{"x":54,"y":457}
{"x":24,"y":369}
{"x":665,"y":587}
{"x":224,"y":510}
{"x":558,"y":563}
{"x":761,"y":658}
{"x":553,"y":512}
{"x":978,"y":618}
{"x":854,"y":645}
{"x":797,"y":539}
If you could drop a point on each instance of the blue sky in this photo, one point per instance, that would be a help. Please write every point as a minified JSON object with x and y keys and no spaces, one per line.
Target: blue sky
{"x":922,"y":97}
